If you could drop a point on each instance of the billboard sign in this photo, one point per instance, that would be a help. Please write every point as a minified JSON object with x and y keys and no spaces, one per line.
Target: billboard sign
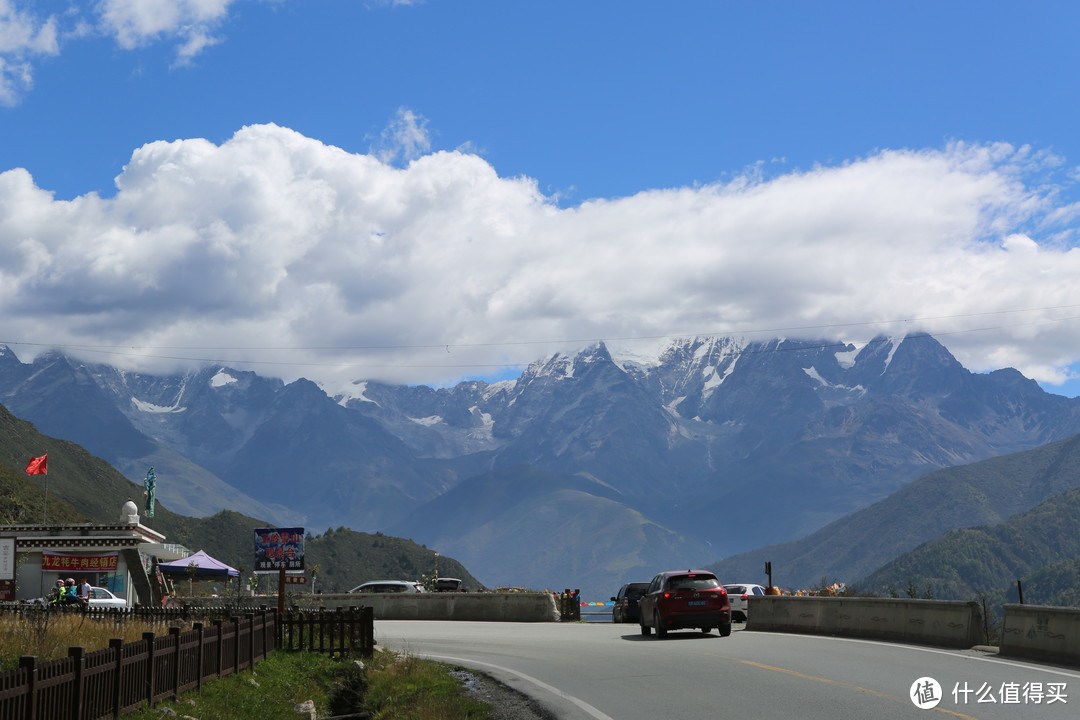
{"x":279,"y":549}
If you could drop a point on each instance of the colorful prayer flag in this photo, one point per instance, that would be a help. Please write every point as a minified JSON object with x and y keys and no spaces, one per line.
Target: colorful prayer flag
{"x":150,"y":483}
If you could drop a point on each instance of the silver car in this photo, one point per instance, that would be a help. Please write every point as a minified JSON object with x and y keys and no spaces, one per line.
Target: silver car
{"x":389,"y":586}
{"x":737,"y":595}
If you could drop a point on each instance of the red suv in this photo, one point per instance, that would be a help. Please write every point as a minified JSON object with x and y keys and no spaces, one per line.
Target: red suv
{"x":685,"y":599}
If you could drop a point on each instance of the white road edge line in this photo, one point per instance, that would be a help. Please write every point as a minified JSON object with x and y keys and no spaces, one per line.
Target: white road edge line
{"x":1027,"y":666}
{"x":528,"y":678}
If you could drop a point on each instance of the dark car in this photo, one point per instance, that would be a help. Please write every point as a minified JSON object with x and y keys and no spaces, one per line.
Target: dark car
{"x":445,"y":584}
{"x":626,"y":602}
{"x":680,"y":599}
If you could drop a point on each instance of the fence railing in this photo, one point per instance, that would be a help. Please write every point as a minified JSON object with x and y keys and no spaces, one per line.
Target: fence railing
{"x":126,"y":676}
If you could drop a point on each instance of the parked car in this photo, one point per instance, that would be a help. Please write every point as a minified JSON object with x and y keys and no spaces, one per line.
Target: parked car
{"x":389,"y":586}
{"x":102,"y":598}
{"x":446,"y":584}
{"x":685,"y":599}
{"x":737,"y":596}
{"x":626,"y":602}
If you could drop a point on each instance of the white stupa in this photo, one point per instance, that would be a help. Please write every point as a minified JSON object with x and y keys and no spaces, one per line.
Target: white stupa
{"x":129,"y":513}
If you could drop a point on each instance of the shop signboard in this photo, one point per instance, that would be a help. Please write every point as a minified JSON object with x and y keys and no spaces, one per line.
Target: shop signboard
{"x":7,"y":558}
{"x":66,"y":563}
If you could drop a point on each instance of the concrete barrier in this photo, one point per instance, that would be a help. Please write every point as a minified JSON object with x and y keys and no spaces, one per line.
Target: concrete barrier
{"x":926,"y":622}
{"x":1041,"y":633}
{"x":490,"y":607}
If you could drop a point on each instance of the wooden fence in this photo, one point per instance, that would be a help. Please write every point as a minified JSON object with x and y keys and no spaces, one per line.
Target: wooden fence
{"x":126,"y":676}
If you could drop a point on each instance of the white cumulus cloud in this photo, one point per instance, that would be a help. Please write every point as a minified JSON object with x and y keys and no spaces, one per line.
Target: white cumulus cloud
{"x":311,"y":261}
{"x":23,"y":36}
{"x":135,"y":23}
{"x":27,"y":32}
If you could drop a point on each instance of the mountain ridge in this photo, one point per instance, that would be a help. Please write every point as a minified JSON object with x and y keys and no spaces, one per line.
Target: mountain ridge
{"x":985,"y":493}
{"x":775,"y":439}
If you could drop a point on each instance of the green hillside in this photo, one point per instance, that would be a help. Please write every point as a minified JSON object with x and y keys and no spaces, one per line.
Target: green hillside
{"x":22,"y":503}
{"x":345,"y":557}
{"x":84,"y":488}
{"x":960,"y":564}
{"x":1056,"y":584}
{"x":980,"y":494}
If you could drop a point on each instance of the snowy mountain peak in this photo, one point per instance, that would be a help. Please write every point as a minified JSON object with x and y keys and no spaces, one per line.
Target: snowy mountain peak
{"x":222,"y":378}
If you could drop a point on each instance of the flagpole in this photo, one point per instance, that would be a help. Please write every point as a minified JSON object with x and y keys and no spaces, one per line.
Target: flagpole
{"x":40,"y":466}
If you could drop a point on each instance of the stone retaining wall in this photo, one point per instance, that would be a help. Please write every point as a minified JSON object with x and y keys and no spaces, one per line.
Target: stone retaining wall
{"x":1042,"y":633}
{"x":928,"y":622}
{"x":489,"y":607}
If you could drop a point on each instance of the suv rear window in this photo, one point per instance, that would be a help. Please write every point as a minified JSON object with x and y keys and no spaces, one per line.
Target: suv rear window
{"x":692,"y":582}
{"x":735,"y":589}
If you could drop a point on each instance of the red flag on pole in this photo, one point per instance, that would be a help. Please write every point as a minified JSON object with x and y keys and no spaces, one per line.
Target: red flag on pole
{"x":38,"y":465}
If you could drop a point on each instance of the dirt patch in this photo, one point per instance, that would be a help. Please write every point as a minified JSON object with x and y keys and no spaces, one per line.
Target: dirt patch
{"x":507,"y":704}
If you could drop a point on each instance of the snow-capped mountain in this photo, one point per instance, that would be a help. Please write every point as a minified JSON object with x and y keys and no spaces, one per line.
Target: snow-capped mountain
{"x":719,"y":445}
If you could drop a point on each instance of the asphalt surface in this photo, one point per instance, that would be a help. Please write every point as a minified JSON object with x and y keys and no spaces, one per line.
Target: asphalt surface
{"x":601,"y":671}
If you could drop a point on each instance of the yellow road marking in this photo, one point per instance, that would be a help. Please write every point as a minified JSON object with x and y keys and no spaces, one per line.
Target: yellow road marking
{"x":849,"y":686}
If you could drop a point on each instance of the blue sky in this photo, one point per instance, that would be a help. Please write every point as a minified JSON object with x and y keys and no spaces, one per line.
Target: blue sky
{"x":388,"y":179}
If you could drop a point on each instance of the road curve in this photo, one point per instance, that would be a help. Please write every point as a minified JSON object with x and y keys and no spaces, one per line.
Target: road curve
{"x":601,"y":671}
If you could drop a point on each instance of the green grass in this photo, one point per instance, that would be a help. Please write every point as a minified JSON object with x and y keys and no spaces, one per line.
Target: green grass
{"x":408,"y":688}
{"x":271,"y":692}
{"x":389,"y":686}
{"x":48,"y":635}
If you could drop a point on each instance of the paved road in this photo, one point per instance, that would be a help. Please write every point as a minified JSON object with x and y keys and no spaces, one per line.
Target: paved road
{"x":601,"y":671}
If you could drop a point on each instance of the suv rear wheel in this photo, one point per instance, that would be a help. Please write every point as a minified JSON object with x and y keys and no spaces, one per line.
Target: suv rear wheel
{"x":661,"y":631}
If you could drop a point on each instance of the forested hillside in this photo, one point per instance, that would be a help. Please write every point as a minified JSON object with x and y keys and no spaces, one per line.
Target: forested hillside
{"x":985,"y":493}
{"x":84,"y":488}
{"x":961,"y":564}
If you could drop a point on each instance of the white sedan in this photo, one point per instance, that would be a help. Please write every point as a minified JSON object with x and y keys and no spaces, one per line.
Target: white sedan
{"x":737,"y":595}
{"x":102,"y":598}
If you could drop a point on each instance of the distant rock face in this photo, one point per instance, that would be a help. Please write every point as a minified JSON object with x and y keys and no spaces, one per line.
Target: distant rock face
{"x":715,"y":446}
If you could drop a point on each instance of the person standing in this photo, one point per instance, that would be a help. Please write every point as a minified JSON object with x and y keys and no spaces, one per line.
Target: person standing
{"x":84,"y":591}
